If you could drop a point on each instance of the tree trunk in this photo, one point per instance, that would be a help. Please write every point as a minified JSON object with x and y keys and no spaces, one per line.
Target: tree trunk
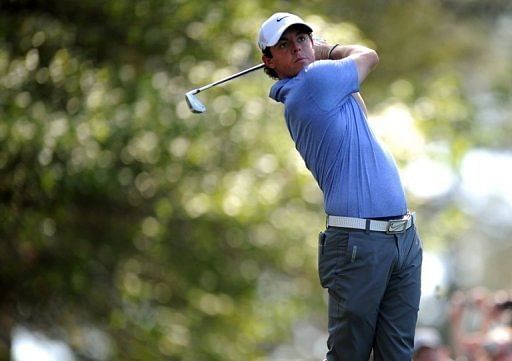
{"x":5,"y":348}
{"x":6,"y":325}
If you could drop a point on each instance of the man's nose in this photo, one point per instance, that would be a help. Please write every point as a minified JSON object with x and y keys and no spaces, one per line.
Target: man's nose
{"x":295,"y":46}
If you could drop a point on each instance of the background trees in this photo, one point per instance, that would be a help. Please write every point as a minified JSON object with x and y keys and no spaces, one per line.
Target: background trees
{"x":135,"y":230}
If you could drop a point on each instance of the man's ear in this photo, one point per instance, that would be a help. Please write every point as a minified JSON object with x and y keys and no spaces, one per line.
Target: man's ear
{"x":269,"y":62}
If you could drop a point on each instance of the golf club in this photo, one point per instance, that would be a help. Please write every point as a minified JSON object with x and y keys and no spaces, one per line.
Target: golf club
{"x":195,"y":104}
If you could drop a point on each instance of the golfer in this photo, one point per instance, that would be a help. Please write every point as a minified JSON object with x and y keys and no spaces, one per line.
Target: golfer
{"x":369,"y":254}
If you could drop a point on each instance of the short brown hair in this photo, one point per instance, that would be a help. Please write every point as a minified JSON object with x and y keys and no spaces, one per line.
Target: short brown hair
{"x":269,"y":71}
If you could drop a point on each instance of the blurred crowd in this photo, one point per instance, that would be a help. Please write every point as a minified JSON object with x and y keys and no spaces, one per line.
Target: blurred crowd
{"x":480,"y":329}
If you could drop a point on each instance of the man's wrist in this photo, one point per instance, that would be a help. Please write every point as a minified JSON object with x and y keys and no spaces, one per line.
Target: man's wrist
{"x":329,"y":54}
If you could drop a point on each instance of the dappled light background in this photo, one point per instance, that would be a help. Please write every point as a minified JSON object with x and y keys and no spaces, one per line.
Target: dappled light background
{"x":132,"y":229}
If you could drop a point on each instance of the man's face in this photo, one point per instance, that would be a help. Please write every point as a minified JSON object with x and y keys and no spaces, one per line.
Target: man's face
{"x":292,"y":53}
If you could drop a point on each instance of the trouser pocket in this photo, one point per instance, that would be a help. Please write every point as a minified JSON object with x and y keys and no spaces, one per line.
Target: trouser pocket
{"x":332,"y":250}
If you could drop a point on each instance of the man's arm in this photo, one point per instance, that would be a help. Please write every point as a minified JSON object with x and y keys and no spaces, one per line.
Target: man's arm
{"x":366,"y":59}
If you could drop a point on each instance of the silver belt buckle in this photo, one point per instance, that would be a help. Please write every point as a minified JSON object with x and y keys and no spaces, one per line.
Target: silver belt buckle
{"x":397,"y":225}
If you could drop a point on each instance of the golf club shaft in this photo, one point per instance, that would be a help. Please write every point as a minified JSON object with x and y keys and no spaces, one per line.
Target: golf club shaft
{"x":256,"y":67}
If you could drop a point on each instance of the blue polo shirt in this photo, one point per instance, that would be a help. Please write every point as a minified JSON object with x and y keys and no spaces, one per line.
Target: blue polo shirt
{"x":357,"y":175}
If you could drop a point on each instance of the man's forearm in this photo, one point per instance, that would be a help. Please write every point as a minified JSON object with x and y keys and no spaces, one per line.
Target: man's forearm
{"x":338,"y":51}
{"x":324,"y":50}
{"x":343,"y":51}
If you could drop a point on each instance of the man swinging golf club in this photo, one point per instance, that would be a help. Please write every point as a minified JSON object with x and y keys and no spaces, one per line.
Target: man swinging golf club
{"x":370,"y":254}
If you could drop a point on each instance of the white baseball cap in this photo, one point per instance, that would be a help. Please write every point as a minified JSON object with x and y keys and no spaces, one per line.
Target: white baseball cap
{"x":272,"y":29}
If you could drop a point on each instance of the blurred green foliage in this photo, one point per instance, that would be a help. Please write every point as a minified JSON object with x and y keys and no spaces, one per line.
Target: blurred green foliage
{"x":183,"y":237}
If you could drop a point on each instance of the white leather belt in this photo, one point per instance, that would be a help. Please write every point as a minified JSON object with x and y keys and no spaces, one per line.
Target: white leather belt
{"x":390,"y":227}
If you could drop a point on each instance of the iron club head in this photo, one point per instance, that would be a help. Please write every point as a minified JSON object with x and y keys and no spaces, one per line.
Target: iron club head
{"x":194,"y":104}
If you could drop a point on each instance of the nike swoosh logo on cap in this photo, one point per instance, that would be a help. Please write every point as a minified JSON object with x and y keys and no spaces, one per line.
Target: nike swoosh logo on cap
{"x":279,"y":19}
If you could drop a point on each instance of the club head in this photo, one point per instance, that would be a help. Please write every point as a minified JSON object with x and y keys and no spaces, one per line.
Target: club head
{"x":194,"y":104}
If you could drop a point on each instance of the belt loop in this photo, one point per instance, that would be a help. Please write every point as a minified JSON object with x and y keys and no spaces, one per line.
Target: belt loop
{"x":367,"y":228}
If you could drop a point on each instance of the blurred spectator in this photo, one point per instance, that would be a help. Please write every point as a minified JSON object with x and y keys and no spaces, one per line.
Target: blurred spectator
{"x":481,"y":325}
{"x":498,"y":344}
{"x":428,"y":345}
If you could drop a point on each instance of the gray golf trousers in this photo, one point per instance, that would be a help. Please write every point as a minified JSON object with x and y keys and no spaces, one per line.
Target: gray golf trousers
{"x":374,"y":284}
